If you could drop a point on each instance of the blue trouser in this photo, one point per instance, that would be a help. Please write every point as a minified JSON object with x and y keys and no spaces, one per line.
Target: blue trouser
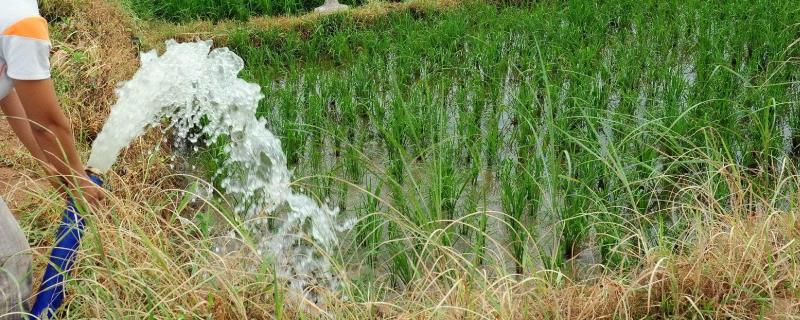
{"x":62,"y":258}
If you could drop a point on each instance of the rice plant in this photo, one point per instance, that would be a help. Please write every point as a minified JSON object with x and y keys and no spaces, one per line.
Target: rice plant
{"x":589,"y":115}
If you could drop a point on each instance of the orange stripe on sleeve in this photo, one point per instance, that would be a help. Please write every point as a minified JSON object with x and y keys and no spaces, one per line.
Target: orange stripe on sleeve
{"x":31,"y":27}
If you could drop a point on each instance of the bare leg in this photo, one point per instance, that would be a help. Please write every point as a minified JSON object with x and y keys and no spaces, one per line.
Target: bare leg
{"x":15,"y":262}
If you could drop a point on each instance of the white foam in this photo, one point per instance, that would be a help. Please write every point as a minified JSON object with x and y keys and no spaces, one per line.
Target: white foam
{"x":190,"y":84}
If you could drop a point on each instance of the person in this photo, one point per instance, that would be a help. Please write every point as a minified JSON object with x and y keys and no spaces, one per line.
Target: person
{"x":15,"y":262}
{"x":29,"y":102}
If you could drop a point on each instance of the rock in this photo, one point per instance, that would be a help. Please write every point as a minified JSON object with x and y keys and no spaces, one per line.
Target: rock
{"x":331,"y":6}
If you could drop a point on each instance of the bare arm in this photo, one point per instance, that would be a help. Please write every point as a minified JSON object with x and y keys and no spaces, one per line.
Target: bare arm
{"x":52,"y":131}
{"x":18,"y":120}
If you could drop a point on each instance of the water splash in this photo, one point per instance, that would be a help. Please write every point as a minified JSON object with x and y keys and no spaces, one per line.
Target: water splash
{"x":787,"y":135}
{"x":199,"y":92}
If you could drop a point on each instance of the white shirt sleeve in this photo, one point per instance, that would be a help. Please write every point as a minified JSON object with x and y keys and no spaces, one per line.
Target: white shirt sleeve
{"x":26,"y":58}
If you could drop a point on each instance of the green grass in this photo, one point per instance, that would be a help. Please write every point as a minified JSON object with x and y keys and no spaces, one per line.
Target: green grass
{"x":487,"y":140}
{"x":184,"y":10}
{"x":589,"y":116}
{"x":583,"y":123}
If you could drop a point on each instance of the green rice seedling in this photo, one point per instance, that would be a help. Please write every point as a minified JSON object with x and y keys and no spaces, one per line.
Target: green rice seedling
{"x":353,"y":160}
{"x":604,"y":111}
{"x":575,"y":220}
{"x":279,"y":299}
{"x":479,"y":246}
{"x":403,"y":262}
{"x":515,"y":201}
{"x":445,"y":187}
{"x":491,"y":138}
{"x":369,"y":229}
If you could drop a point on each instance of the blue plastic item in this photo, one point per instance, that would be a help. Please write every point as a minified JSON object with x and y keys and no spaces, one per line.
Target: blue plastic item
{"x":62,"y":258}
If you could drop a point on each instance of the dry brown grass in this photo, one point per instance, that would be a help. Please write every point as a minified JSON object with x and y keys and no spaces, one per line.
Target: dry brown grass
{"x":103,"y":33}
{"x":735,"y":268}
{"x":94,"y":50}
{"x":144,"y":258}
{"x":138,"y":261}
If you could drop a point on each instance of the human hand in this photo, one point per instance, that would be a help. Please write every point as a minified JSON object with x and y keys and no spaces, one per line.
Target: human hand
{"x":91,"y":192}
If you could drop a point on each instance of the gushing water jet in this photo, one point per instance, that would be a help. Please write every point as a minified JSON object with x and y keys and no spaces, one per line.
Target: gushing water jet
{"x":198,"y":90}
